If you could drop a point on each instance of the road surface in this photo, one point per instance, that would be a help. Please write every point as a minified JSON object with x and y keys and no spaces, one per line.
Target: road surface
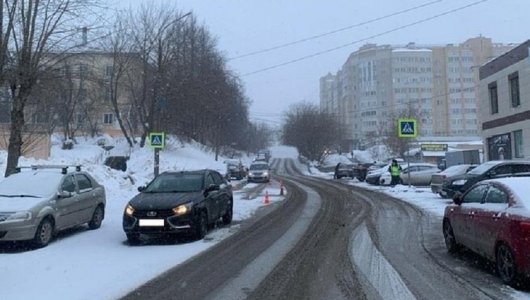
{"x":328,"y":240}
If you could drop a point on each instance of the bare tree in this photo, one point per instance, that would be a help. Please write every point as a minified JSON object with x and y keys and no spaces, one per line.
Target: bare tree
{"x":40,"y":27}
{"x":310,"y":130}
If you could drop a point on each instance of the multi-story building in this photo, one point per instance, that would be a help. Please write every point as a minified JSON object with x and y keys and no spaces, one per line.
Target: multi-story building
{"x":436,"y":84}
{"x":504,"y":107}
{"x":77,"y":94}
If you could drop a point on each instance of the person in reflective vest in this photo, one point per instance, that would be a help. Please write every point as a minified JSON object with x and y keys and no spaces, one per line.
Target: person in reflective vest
{"x":395,"y":171}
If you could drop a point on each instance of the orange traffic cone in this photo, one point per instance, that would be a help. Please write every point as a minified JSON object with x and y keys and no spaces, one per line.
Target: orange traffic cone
{"x":281,"y":187}
{"x":266,"y":200}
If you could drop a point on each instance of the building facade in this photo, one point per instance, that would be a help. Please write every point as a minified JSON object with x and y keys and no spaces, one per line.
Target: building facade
{"x":504,"y":107}
{"x":436,"y":84}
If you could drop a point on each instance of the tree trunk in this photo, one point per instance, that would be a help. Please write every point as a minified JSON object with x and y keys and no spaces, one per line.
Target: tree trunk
{"x":15,"y":138}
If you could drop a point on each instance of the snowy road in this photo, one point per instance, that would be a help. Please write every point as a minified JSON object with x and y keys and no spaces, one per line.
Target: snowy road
{"x":359,"y":245}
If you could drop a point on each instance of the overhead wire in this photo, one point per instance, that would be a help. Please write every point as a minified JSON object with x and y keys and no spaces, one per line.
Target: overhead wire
{"x":364,"y":39}
{"x":334,"y":31}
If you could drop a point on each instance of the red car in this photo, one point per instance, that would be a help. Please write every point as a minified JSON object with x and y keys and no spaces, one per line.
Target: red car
{"x":493,"y":219}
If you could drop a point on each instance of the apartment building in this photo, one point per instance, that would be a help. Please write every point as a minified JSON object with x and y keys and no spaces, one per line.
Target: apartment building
{"x":436,"y":84}
{"x":75,"y":96}
{"x":504,"y":107}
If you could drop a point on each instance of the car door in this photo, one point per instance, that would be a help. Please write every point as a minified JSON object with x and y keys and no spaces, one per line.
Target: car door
{"x":65,"y":205}
{"x":488,"y":220}
{"x":422,"y":176}
{"x":406,"y":172}
{"x":223,"y":195}
{"x":212,"y":198}
{"x":86,"y":199}
{"x":463,"y":215}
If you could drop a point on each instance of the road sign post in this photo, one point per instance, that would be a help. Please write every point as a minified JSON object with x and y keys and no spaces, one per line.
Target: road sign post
{"x":157,"y":140}
{"x":407,"y":128}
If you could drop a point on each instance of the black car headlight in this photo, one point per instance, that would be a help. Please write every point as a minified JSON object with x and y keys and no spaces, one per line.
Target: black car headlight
{"x":182,"y":209}
{"x":129,"y":210}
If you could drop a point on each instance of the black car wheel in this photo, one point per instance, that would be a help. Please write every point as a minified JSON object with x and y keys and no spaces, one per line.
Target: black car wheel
{"x":449,"y":237}
{"x":506,"y":264}
{"x":227,"y":217}
{"x":97,"y":218}
{"x":133,"y":238}
{"x":44,"y":233}
{"x":201,"y":225}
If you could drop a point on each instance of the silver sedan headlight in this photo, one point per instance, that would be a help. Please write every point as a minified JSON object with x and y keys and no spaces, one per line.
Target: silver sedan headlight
{"x":19,"y":216}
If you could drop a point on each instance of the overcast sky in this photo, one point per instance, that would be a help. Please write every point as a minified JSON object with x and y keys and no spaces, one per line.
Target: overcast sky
{"x":245,"y":26}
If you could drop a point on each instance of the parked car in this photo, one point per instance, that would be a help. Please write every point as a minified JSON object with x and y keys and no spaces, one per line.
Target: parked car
{"x":343,"y":170}
{"x":360,"y":170}
{"x":437,"y":179}
{"x":493,"y":219}
{"x":372,"y":177}
{"x":487,"y":170}
{"x":235,"y":169}
{"x":177,"y":203}
{"x":259,"y":171}
{"x":420,"y":174}
{"x":39,"y":201}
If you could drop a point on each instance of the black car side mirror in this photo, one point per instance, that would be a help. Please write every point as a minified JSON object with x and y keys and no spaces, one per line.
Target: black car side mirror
{"x":141,"y":188}
{"x":458,"y":199}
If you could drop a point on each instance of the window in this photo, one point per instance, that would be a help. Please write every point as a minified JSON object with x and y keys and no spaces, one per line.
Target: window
{"x":476,"y":194}
{"x":108,"y":118}
{"x":208,"y":181}
{"x":494,"y":101}
{"x":82,"y":70}
{"x":83,"y":182}
{"x":496,"y":196}
{"x":518,"y":143}
{"x":218,"y":179}
{"x":514,"y":89}
{"x":109,"y":70}
{"x":68,"y":184}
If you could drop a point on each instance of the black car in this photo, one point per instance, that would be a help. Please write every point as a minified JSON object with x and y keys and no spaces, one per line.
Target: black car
{"x":488,"y":170}
{"x":343,"y":170}
{"x":175,"y":203}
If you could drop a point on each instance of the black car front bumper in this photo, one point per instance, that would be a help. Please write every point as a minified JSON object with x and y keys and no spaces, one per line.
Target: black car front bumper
{"x":166,"y":223}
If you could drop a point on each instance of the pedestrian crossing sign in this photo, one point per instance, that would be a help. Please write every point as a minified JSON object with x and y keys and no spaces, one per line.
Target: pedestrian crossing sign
{"x":157,"y":140}
{"x":407,"y":128}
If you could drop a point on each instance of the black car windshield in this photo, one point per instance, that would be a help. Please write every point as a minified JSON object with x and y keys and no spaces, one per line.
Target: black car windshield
{"x":176,"y":183}
{"x":483,"y":168}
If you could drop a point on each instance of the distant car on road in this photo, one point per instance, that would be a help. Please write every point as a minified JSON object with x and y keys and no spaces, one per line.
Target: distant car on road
{"x":234,"y":168}
{"x":177,"y":203}
{"x":488,"y":170}
{"x":259,"y":171}
{"x":39,"y":201}
{"x":493,"y":219}
{"x":437,"y":179}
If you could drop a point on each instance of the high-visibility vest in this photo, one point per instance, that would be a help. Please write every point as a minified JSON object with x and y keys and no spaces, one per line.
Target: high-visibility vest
{"x":394,"y":170}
